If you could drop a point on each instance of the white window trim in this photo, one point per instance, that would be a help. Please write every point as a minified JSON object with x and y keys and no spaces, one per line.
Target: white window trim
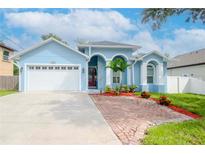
{"x":120,"y":77}
{"x":154,"y":74}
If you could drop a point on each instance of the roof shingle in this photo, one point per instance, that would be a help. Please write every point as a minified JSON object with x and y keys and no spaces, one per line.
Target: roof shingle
{"x":192,"y":58}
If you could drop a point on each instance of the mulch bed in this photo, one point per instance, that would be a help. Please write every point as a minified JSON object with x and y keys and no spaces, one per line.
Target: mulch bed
{"x":121,"y":94}
{"x":173,"y":107}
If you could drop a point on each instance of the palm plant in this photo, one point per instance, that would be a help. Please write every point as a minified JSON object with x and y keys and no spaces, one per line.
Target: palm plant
{"x":118,"y":64}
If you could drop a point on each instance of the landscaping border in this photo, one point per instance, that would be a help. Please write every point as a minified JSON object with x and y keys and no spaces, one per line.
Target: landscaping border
{"x":173,"y":107}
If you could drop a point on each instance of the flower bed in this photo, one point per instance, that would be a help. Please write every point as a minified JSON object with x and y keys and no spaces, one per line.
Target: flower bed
{"x":173,"y":107}
{"x":121,"y":94}
{"x":179,"y":109}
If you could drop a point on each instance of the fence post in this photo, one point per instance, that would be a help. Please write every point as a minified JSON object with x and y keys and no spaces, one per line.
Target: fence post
{"x":8,"y":82}
{"x":178,"y":85}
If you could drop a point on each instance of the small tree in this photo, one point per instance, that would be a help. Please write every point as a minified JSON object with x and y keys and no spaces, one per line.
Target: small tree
{"x":118,"y":64}
{"x":47,"y":36}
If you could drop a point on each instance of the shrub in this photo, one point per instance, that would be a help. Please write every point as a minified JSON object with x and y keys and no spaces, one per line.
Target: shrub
{"x":117,"y":90}
{"x":163,"y":100}
{"x":132,"y":88}
{"x":122,"y":88}
{"x":108,"y":89}
{"x":127,"y":89}
{"x":145,"y":94}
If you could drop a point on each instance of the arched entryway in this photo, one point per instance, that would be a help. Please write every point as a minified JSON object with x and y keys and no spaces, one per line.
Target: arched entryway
{"x":96,"y":72}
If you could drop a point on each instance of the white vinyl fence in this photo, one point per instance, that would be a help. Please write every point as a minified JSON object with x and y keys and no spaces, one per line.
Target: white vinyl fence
{"x":178,"y":84}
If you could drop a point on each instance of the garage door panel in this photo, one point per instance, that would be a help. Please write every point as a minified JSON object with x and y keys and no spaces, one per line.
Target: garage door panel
{"x":51,"y":80}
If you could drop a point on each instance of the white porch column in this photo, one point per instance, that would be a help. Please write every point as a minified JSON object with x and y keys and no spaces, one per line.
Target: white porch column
{"x":129,"y":73}
{"x":159,"y":73}
{"x":143,"y":70}
{"x":108,"y":74}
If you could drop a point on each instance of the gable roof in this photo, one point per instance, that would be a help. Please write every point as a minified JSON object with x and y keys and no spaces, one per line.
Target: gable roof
{"x":143,"y":55}
{"x":6,"y":47}
{"x":46,"y":42}
{"x":188,"y":59}
{"x":108,"y":44}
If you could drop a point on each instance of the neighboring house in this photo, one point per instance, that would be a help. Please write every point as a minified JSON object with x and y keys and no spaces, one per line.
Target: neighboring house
{"x":53,"y":65}
{"x":6,"y":65}
{"x":190,"y":64}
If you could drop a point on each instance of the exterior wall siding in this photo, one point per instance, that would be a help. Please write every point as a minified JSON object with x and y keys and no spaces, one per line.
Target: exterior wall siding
{"x":53,"y":53}
{"x":162,"y":88}
{"x":110,"y":52}
{"x":6,"y":67}
{"x":101,"y":73}
{"x":197,"y":71}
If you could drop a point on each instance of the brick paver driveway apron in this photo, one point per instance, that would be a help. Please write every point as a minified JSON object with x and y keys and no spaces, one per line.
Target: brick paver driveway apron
{"x":52,"y":118}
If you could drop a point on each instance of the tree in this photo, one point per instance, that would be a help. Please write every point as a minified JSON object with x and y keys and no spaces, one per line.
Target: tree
{"x":159,"y":16}
{"x":118,"y":64}
{"x":47,"y":36}
{"x":15,"y":70}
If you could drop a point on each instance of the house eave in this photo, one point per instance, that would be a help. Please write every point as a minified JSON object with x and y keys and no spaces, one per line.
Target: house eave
{"x":111,"y":46}
{"x":18,"y":55}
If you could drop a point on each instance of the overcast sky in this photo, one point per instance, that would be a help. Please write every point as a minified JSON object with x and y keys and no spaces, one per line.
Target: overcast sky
{"x":25,"y":27}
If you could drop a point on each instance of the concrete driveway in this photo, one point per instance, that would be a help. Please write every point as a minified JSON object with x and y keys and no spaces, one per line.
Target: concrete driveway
{"x":52,"y":118}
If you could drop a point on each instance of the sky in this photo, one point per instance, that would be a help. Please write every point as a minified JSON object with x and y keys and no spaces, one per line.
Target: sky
{"x":22,"y":28}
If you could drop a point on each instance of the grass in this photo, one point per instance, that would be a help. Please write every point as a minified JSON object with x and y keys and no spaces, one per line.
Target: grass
{"x":188,"y":132}
{"x":6,"y":92}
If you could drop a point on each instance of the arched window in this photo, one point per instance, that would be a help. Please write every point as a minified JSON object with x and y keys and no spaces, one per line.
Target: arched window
{"x":150,"y":73}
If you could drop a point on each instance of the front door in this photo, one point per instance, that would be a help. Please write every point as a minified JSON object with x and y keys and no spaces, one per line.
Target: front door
{"x":92,"y":80}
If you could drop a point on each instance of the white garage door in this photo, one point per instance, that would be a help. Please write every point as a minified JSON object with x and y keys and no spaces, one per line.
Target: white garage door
{"x":53,"y":78}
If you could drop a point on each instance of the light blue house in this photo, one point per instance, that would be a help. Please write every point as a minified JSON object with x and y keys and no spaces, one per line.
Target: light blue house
{"x":53,"y":65}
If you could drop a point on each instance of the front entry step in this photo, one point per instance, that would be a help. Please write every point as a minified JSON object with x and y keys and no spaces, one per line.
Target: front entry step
{"x":93,"y":91}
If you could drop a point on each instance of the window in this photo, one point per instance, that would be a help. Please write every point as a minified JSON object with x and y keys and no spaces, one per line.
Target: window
{"x":50,"y":68}
{"x":6,"y":55}
{"x":44,"y":68}
{"x":31,"y":67}
{"x":116,"y":77}
{"x":38,"y":67}
{"x":150,"y":74}
{"x":69,"y":68}
{"x":63,"y":68}
{"x":75,"y":68}
{"x":57,"y":68}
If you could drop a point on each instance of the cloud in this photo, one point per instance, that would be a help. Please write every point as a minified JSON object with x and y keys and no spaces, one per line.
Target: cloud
{"x":184,"y":40}
{"x":146,"y":41}
{"x":94,"y":25}
{"x":78,"y":24}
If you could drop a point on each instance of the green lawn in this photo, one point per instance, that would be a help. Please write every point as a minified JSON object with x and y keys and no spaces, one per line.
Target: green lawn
{"x":188,"y":132}
{"x":6,"y":92}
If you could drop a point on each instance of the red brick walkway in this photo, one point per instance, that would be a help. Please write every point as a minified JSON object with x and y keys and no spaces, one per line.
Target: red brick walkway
{"x":129,"y":117}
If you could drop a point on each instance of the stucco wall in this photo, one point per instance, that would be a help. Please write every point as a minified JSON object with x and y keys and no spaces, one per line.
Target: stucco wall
{"x":54,"y":53}
{"x":162,"y":87}
{"x":109,"y":53}
{"x":6,"y":67}
{"x":197,"y":71}
{"x":101,"y":73}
